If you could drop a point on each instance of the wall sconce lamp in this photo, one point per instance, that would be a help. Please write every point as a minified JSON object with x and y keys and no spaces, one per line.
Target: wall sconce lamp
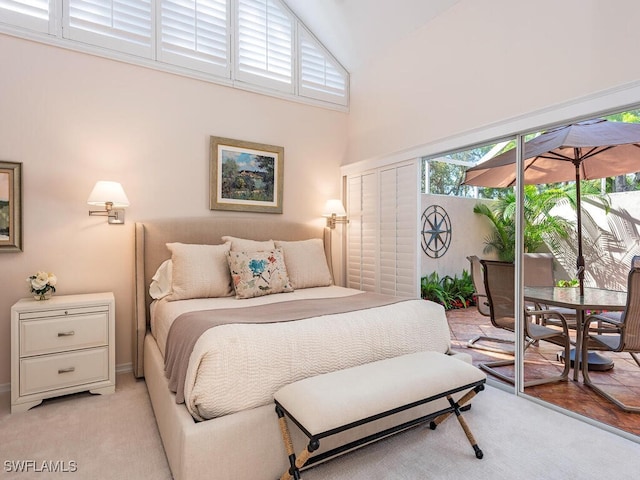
{"x":111,"y":196}
{"x":335,"y":213}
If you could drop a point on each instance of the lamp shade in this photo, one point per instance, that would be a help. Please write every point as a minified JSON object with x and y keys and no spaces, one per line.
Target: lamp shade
{"x":334,"y":206}
{"x":105,"y":192}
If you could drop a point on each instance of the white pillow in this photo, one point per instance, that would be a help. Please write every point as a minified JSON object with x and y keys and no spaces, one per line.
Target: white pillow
{"x":161,"y":282}
{"x":199,"y":271}
{"x":246,"y":245}
{"x":306,"y":263}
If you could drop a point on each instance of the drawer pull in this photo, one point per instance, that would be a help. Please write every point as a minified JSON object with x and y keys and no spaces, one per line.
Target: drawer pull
{"x":66,"y":334}
{"x":67,"y":370}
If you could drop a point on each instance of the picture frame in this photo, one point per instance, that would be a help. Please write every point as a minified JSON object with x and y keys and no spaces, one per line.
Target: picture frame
{"x":10,"y":207}
{"x":245,"y":176}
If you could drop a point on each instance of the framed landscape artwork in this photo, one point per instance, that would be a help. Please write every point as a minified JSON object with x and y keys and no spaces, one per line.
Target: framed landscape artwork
{"x":245,"y":176}
{"x":10,"y":207}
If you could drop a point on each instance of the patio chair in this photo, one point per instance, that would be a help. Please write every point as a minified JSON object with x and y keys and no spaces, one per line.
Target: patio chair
{"x":482,"y":304}
{"x":626,"y":338}
{"x":538,"y":272}
{"x":500,"y":289}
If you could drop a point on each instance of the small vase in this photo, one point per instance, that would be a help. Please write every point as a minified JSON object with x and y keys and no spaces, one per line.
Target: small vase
{"x":43,"y":296}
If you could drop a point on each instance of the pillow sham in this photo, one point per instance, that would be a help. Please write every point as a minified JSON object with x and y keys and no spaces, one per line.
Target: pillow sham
{"x":255,"y":274}
{"x":306,"y":263}
{"x":199,"y":271}
{"x":160,"y":285}
{"x":246,"y":245}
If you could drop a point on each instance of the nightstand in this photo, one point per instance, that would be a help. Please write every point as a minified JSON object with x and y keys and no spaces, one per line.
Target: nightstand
{"x":62,"y":345}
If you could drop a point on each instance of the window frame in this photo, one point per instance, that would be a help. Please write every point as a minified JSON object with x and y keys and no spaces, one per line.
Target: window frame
{"x":59,"y":34}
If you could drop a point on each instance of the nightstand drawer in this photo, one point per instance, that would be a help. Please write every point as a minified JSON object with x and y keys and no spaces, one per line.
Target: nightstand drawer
{"x":51,"y":372}
{"x":59,"y":334}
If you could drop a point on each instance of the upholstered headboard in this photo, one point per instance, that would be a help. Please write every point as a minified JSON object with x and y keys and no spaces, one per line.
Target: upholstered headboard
{"x":150,"y":251}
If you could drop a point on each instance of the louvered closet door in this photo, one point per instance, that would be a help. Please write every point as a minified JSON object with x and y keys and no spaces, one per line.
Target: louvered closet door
{"x":382,"y":239}
{"x":362,"y":232}
{"x":398,"y":213}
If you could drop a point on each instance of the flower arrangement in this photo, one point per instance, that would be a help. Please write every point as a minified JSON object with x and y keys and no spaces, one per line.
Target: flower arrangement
{"x":42,"y":285}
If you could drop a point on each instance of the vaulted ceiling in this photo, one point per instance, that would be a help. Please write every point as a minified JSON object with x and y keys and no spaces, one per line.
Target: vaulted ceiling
{"x":355,"y":30}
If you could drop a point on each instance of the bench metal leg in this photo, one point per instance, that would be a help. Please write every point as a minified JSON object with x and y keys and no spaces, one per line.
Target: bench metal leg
{"x":295,"y":463}
{"x":457,"y":407}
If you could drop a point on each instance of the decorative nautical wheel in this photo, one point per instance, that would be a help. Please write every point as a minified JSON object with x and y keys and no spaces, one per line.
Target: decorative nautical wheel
{"x":436,"y":231}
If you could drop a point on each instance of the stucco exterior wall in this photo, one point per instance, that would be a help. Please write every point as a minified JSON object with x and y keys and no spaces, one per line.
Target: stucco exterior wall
{"x":468,"y":231}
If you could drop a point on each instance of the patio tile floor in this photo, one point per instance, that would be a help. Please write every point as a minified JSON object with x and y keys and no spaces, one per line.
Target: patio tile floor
{"x":541,"y":360}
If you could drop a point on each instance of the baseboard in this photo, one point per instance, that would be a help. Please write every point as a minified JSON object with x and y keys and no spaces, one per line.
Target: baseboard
{"x":124,"y":368}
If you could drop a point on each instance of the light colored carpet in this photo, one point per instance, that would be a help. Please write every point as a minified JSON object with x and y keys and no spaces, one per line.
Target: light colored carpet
{"x":115,"y":437}
{"x":107,"y":436}
{"x":521,"y":440}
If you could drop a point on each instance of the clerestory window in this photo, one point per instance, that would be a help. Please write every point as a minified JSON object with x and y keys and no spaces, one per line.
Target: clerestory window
{"x":253,"y":44}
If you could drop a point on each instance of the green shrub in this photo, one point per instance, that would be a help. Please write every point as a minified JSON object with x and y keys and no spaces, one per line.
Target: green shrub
{"x":450,"y":292}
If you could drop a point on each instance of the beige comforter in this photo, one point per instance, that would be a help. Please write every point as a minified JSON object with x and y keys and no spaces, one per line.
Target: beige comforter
{"x":187,"y":328}
{"x":234,"y":367}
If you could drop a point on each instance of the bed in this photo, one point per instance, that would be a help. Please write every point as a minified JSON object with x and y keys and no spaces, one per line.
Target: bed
{"x":227,"y":428}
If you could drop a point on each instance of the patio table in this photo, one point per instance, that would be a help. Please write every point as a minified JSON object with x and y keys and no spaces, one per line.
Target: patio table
{"x":597,"y":299}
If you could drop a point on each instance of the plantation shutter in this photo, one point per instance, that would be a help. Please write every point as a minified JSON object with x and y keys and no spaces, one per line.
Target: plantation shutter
{"x":398,"y":234}
{"x":362,"y":243}
{"x":321,"y":76}
{"x":31,"y":14}
{"x":354,"y":232}
{"x":265,"y":44}
{"x":195,"y":34}
{"x":388,"y":244}
{"x":382,"y":238}
{"x":122,"y":25}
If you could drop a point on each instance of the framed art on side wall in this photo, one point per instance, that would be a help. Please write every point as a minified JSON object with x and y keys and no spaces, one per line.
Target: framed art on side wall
{"x":245,"y":176}
{"x":10,"y":207}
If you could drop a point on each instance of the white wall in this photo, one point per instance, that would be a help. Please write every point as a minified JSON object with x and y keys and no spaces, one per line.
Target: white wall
{"x":73,"y":119}
{"x":610,"y":240}
{"x":468,"y":232}
{"x":486,"y":61}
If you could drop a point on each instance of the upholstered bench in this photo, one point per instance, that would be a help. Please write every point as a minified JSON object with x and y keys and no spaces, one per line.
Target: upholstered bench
{"x":331,"y":403}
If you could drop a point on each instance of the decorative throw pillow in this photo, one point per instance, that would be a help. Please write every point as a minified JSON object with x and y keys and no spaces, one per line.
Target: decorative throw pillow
{"x":258,"y":273}
{"x":306,"y":263}
{"x":160,"y":285}
{"x":246,"y":245}
{"x":199,"y":271}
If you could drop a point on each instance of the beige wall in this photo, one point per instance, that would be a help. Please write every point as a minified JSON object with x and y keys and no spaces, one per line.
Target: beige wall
{"x":73,"y":119}
{"x":487,"y":61}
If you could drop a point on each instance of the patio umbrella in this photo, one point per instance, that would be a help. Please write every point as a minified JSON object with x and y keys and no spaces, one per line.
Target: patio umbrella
{"x":581,"y":151}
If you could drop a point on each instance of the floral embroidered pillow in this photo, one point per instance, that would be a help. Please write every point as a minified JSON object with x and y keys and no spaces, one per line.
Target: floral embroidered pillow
{"x":254,"y":274}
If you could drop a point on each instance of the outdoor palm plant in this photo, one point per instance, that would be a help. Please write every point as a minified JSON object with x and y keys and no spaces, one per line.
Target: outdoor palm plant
{"x":540,"y":224}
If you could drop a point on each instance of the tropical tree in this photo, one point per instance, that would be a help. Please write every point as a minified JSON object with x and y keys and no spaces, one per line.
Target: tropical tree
{"x":540,"y":224}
